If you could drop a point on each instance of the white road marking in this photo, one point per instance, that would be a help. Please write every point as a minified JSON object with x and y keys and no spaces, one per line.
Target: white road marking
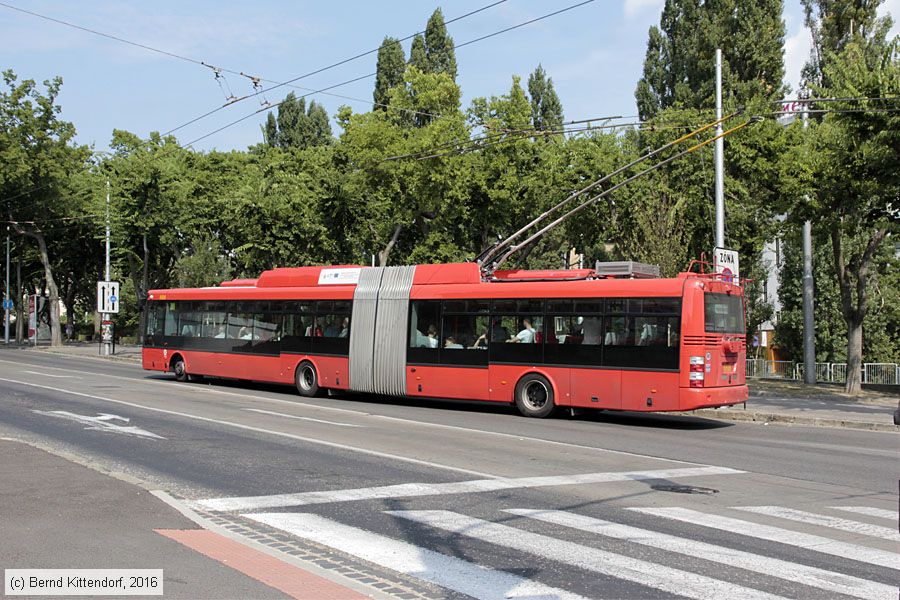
{"x":807,"y":541}
{"x":798,"y":573}
{"x":54,"y":376}
{"x":287,"y":416}
{"x":259,"y":430}
{"x":870,"y":511}
{"x":801,"y":516}
{"x":661,"y":577}
{"x":411,"y":490}
{"x":102,"y":422}
{"x":446,"y":571}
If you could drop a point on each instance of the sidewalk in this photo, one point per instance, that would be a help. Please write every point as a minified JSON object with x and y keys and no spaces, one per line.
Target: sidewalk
{"x":61,"y":515}
{"x":821,"y":405}
{"x":771,"y":401}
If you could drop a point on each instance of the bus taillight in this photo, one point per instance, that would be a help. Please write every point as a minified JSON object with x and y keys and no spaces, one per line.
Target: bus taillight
{"x":696,"y":374}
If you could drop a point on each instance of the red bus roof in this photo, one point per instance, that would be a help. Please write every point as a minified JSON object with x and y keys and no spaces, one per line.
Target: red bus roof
{"x":454,"y":280}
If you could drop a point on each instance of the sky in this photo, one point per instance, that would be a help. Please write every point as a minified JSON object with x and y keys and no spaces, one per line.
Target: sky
{"x":594,"y":54}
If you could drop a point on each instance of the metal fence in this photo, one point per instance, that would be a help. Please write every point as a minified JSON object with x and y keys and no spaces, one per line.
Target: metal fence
{"x":875,"y":373}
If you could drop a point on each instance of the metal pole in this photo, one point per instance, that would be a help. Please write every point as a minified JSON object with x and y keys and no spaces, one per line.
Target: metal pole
{"x":809,"y":326}
{"x":6,"y":294}
{"x":719,"y":158}
{"x":105,"y":316}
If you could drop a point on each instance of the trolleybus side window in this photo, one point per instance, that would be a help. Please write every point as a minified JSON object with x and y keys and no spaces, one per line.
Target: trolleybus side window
{"x":516,"y":331}
{"x":332,"y":319}
{"x":464,"y":332}
{"x":424,"y":331}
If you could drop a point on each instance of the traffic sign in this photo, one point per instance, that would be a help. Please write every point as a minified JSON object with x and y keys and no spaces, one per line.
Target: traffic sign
{"x":7,"y":304}
{"x":108,"y":296}
{"x":727,"y":263}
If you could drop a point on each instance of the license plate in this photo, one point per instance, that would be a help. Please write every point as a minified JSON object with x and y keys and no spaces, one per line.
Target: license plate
{"x":727,"y":369}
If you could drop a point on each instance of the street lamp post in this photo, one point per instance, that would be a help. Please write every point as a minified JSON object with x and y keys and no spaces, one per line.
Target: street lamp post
{"x":6,"y":294}
{"x":107,"y":343}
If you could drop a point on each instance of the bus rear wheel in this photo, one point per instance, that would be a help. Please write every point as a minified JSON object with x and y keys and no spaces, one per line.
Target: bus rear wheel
{"x":534,"y":396}
{"x":179,"y":369}
{"x":307,"y":379}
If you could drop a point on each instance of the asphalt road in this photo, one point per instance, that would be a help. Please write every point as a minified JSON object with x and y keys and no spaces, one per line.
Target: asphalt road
{"x":454,"y":499}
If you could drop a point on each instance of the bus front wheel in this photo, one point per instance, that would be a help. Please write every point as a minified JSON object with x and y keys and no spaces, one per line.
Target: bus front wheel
{"x":307,"y":379}
{"x":534,"y":396}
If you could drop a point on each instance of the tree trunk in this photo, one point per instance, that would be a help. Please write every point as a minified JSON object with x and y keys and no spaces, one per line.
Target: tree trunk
{"x":386,"y":253}
{"x":55,"y":332}
{"x":854,"y":357}
{"x":854,"y":310}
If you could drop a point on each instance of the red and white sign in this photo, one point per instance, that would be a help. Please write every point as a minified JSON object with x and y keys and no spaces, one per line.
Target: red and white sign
{"x":727,"y":263}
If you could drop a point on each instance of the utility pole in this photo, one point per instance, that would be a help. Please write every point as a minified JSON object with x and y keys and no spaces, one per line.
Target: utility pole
{"x":105,"y":316}
{"x":719,"y":158}
{"x":809,"y":326}
{"x":6,"y":295}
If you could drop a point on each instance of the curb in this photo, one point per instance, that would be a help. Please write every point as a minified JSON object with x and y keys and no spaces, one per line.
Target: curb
{"x":126,"y":359}
{"x":788,"y":419}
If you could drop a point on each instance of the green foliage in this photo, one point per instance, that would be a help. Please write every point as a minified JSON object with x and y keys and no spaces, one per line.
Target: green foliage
{"x":439,"y":53}
{"x":418,"y":57}
{"x":298,"y":126}
{"x":679,"y":67}
{"x":546,"y":108}
{"x":388,"y":72}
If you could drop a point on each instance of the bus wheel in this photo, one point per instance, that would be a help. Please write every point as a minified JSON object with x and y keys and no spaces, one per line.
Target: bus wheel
{"x":307,"y":379}
{"x":534,"y":396}
{"x":179,"y":369}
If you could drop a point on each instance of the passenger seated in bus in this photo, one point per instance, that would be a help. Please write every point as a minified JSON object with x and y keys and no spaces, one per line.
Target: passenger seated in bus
{"x":314,"y":330}
{"x":345,"y":328}
{"x":331,"y":328}
{"x":245,"y":333}
{"x":499,"y":333}
{"x":591,"y":329}
{"x":432,"y":336}
{"x":220,"y":331}
{"x":480,"y":342}
{"x":526,"y":336}
{"x":451,"y":342}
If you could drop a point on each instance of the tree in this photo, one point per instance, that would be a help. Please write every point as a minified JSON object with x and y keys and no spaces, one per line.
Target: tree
{"x":439,"y":53}
{"x":417,"y":54}
{"x":388,"y":72}
{"x":546,"y":109}
{"x":833,"y":23}
{"x":270,"y":131}
{"x":852,"y":181}
{"x":38,"y":159}
{"x":679,"y":66}
{"x":298,"y":126}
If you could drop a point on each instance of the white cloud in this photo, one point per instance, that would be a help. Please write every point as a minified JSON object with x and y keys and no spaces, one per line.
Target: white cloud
{"x":637,"y":7}
{"x":797,"y":47}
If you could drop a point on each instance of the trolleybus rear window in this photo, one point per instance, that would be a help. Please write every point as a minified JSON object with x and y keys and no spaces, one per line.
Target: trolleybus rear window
{"x":724,"y":313}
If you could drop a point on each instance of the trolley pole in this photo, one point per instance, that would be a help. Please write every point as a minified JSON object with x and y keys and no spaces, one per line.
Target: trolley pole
{"x":105,"y":316}
{"x":809,"y":326}
{"x":719,"y":158}
{"x":6,"y":294}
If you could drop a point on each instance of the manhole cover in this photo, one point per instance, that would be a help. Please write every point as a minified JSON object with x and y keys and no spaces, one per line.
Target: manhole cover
{"x":683,"y":489}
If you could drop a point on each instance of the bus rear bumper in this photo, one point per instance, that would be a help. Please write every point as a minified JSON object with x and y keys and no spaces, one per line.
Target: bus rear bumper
{"x":694,"y":398}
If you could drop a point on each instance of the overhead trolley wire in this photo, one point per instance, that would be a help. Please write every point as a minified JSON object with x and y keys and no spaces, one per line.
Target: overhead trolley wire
{"x":488,"y":259}
{"x":361,"y":77}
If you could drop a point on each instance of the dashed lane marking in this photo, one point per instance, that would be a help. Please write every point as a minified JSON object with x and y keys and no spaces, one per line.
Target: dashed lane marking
{"x":287,"y":416}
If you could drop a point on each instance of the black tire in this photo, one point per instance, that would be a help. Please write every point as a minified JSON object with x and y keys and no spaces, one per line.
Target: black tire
{"x":534,"y":396}
{"x":179,"y":369}
{"x":306,"y":379}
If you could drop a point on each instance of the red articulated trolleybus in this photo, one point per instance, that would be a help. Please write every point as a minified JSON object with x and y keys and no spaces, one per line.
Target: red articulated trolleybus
{"x":615,"y":337}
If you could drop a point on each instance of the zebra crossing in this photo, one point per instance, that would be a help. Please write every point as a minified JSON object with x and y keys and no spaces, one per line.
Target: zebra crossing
{"x":675,"y":564}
